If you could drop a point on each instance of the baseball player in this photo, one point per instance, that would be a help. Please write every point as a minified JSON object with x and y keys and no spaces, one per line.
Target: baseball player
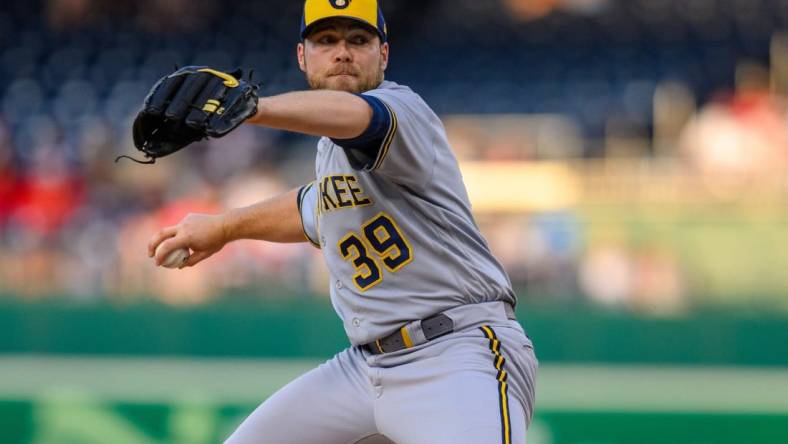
{"x":436,"y":355}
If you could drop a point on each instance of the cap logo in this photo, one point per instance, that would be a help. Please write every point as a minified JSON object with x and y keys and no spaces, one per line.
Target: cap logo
{"x":340,"y":4}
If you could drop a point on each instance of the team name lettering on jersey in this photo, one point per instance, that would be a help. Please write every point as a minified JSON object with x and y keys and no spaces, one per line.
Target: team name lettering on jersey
{"x":338,"y":192}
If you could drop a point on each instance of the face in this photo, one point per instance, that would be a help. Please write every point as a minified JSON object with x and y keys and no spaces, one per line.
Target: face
{"x":343,"y":55}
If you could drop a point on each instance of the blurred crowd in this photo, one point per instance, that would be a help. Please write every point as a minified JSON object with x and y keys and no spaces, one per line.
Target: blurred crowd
{"x":633,"y":78}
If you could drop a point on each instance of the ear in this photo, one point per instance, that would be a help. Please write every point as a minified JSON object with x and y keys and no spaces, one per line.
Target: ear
{"x":300,"y":50}
{"x":384,"y":56}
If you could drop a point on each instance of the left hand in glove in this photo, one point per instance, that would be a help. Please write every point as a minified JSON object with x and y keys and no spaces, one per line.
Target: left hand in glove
{"x":191,"y":104}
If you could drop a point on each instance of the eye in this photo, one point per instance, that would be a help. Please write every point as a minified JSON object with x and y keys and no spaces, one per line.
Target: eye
{"x":326,"y":39}
{"x":359,"y":39}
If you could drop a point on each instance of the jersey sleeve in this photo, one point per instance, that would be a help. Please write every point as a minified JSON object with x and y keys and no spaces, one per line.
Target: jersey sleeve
{"x":363,"y":150}
{"x":407,"y":154}
{"x":307,"y":207}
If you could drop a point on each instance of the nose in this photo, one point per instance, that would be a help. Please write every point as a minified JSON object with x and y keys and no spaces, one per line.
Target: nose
{"x":343,"y":54}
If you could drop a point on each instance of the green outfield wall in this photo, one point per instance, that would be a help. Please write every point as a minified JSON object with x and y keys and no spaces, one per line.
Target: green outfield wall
{"x":53,"y":422}
{"x":99,"y":400}
{"x":309,"y":328}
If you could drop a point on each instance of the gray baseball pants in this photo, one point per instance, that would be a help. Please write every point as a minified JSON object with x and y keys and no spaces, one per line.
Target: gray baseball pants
{"x":472,"y":386}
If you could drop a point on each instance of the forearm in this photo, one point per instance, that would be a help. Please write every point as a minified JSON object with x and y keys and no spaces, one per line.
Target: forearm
{"x":274,"y":220}
{"x":334,"y":114}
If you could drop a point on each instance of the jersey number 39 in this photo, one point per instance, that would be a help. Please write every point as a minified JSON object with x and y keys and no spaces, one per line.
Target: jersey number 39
{"x":381,"y":235}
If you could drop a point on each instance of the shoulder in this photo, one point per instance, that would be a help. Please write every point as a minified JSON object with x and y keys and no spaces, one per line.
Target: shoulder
{"x":392,"y":87}
{"x":396,"y":92}
{"x":402,"y":100}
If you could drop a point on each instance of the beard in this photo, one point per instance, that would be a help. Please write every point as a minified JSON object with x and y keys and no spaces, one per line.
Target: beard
{"x":355,"y":82}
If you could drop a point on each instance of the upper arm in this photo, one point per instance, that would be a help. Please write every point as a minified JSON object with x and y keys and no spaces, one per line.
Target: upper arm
{"x":403,"y":146}
{"x":362,"y":151}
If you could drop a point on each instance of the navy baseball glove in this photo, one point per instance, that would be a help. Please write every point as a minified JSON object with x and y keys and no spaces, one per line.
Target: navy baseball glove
{"x":191,"y":104}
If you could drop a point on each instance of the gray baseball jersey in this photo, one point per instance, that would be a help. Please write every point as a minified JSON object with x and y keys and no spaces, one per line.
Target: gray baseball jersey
{"x":401,"y":245}
{"x":397,"y":234}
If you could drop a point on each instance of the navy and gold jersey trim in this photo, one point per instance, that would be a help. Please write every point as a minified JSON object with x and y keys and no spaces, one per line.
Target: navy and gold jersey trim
{"x":364,"y":151}
{"x":300,"y":202}
{"x":384,"y":149}
{"x":503,"y":387}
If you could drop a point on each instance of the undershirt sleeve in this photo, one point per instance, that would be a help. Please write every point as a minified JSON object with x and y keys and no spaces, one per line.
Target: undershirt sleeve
{"x":307,"y":207}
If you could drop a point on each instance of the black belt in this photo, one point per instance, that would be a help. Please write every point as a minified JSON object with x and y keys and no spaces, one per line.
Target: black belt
{"x":433,"y":327}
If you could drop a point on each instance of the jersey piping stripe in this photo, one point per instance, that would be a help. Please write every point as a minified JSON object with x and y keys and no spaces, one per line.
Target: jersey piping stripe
{"x":384,"y":149}
{"x":300,"y":202}
{"x":503,"y":388}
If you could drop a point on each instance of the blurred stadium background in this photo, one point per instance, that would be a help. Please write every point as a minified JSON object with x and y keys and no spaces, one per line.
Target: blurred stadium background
{"x":626,"y":160}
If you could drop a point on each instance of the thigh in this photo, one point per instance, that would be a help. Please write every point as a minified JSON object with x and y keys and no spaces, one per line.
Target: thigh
{"x":463,"y":408}
{"x":331,"y":404}
{"x":455,"y":392}
{"x":521,"y":364}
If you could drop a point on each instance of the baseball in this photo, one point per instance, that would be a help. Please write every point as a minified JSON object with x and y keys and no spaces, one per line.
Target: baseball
{"x":175,"y":259}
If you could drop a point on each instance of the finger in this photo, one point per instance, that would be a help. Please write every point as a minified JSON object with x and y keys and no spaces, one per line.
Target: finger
{"x":185,"y":96}
{"x":240,"y":103}
{"x":168,"y":246}
{"x":162,"y":235}
{"x":207,"y":103}
{"x":161,"y":94}
{"x":196,"y":258}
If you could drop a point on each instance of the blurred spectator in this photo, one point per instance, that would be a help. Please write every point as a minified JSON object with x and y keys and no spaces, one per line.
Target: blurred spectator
{"x":614,"y":275}
{"x":586,"y":80}
{"x":736,"y":140}
{"x":8,"y":177}
{"x":49,"y":192}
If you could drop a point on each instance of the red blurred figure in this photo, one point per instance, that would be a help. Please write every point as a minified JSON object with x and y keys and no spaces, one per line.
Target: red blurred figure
{"x":48,"y":194}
